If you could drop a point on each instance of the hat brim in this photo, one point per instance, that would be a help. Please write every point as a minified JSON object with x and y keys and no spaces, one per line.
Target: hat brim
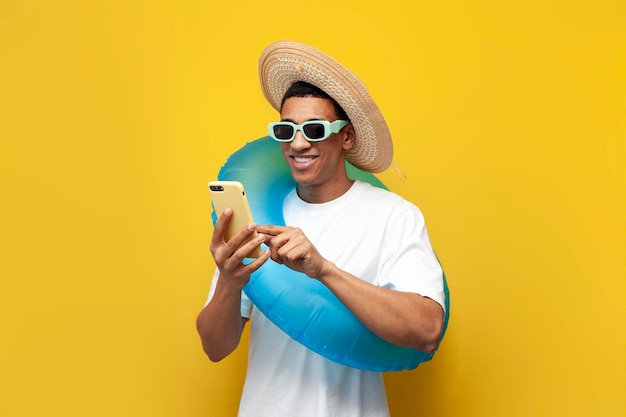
{"x":285,"y":62}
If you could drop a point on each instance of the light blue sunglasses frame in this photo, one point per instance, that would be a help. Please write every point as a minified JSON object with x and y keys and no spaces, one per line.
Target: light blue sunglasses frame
{"x":329,"y":128}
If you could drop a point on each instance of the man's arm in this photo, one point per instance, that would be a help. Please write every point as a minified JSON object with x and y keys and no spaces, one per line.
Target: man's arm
{"x":402,"y":318}
{"x":220,"y":323}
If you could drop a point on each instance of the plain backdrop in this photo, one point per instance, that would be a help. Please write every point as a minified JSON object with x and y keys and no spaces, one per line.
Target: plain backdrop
{"x":509,"y":125}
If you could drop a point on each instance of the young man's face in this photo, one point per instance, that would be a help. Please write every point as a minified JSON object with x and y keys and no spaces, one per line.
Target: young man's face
{"x":316,"y":166}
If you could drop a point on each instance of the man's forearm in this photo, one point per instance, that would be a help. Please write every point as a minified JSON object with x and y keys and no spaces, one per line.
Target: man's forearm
{"x":402,"y":318}
{"x":220,"y":323}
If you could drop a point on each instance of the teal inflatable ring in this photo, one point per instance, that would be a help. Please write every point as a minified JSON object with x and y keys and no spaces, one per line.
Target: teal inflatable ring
{"x":303,"y":307}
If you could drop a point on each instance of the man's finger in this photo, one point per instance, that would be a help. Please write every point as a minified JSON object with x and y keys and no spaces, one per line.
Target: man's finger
{"x":221,"y":225}
{"x":272,"y":230}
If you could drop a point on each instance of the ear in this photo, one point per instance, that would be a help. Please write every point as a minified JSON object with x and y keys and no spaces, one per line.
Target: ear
{"x":349,"y":137}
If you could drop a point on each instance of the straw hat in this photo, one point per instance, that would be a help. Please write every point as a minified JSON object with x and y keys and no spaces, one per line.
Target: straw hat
{"x":285,"y":62}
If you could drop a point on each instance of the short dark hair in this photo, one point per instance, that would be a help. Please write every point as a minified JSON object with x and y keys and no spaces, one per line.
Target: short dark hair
{"x":304,"y":89}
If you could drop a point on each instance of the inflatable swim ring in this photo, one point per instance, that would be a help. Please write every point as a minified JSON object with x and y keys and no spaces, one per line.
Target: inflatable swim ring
{"x":303,"y":307}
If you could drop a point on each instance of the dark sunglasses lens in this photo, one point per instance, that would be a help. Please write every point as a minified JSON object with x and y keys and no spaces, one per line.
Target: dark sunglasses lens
{"x":283,"y":131}
{"x":314,"y":130}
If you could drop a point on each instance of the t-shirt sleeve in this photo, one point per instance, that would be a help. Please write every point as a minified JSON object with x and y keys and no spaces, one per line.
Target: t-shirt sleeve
{"x":246,"y":303}
{"x":410,"y":263}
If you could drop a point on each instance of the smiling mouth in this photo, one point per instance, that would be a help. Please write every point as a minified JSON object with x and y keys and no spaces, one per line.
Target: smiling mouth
{"x":303,"y":159}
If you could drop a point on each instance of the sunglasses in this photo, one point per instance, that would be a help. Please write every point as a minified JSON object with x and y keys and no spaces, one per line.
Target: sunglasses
{"x":313,"y":131}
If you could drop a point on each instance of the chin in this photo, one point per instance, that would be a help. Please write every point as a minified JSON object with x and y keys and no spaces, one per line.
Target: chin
{"x":303,"y":182}
{"x":301,"y":178}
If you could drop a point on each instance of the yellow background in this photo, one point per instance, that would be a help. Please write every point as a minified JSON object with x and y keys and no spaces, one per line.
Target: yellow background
{"x":509,"y":123}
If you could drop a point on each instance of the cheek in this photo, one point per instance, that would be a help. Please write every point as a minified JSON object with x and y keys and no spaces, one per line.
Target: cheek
{"x":336,"y":146}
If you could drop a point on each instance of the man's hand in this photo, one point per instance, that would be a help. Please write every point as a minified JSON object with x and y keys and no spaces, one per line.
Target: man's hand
{"x":229,"y":259}
{"x":289,"y":246}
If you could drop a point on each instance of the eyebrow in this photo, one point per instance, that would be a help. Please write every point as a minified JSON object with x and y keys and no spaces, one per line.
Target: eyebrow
{"x":291,"y":120}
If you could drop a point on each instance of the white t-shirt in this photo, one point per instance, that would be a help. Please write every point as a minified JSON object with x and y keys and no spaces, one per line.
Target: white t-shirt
{"x":373,"y":234}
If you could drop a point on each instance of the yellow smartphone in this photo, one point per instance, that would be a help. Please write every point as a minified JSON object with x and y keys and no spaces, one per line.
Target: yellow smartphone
{"x":225,"y":194}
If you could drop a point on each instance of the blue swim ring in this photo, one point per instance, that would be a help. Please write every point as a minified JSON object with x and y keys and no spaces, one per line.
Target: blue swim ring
{"x":303,"y":307}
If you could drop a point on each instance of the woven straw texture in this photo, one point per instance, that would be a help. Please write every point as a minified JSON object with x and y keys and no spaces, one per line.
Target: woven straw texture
{"x":285,"y":62}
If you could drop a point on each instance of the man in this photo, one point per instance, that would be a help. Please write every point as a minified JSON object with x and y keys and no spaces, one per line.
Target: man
{"x":367,"y":245}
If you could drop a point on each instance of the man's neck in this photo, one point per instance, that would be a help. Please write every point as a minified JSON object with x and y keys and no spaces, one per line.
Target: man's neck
{"x":323,"y":194}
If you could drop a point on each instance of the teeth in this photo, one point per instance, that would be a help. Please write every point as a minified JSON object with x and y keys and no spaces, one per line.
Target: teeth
{"x":302,"y":159}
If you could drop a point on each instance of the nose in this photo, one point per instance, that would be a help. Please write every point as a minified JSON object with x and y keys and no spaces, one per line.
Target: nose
{"x":299,"y":142}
